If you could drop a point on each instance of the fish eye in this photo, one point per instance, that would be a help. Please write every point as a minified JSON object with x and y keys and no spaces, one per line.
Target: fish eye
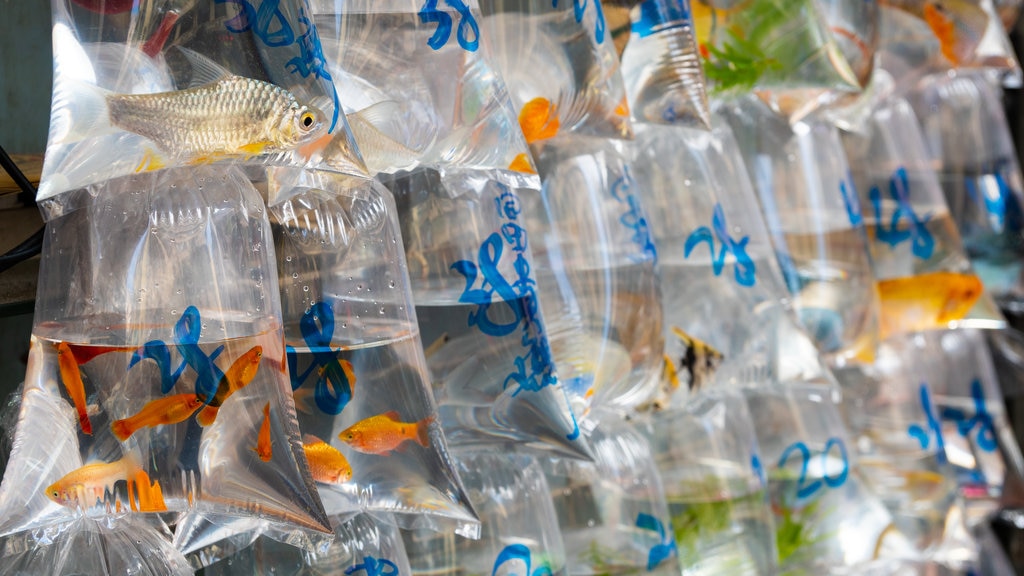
{"x":307,"y":119}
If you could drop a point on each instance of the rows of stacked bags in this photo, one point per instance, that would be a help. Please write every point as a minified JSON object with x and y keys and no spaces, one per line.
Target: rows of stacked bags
{"x":531,"y":287}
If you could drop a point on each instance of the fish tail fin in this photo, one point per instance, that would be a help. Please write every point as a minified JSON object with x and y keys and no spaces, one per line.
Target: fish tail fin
{"x":122,"y":429}
{"x":84,"y":111}
{"x":83,"y":420}
{"x":423,"y":431}
{"x":207,"y":416}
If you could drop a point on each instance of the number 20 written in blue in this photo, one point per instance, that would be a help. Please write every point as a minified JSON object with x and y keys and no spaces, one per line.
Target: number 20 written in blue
{"x":805,"y":488}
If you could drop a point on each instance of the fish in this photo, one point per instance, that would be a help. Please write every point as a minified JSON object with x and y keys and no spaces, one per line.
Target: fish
{"x":166,"y":410}
{"x":238,"y":376}
{"x":71,"y":377}
{"x":380,"y":151}
{"x":538,"y":120}
{"x":958,"y":25}
{"x":926,"y":301}
{"x":699,"y":359}
{"x":385,"y":432}
{"x":91,"y":479}
{"x":84,"y":354}
{"x":327,"y":464}
{"x":263,"y":444}
{"x":436,"y":345}
{"x":143,"y":495}
{"x":219,"y":115}
{"x":522,"y":163}
{"x":662,"y":397}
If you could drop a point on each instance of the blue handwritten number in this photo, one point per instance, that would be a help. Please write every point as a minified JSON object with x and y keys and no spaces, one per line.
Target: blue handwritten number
{"x":268,"y":22}
{"x":923,"y":436}
{"x":986,"y":437}
{"x":333,"y":391}
{"x":666,"y":546}
{"x":899,"y":190}
{"x":805,"y":488}
{"x":374,"y":567}
{"x":522,"y":553}
{"x":744,"y":268}
{"x":467,"y":24}
{"x":186,"y":335}
{"x":851,"y":203}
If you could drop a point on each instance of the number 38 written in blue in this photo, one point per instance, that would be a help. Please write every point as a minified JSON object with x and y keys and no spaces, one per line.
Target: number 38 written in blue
{"x":467,"y":25}
{"x":805,"y":487}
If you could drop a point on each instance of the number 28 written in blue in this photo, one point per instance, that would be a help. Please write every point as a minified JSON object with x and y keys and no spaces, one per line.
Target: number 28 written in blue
{"x":467,"y":23}
{"x":805,"y":487}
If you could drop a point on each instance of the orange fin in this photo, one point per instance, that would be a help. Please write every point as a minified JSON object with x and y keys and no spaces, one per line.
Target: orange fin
{"x":207,"y":416}
{"x":423,"y":431}
{"x":521,"y":163}
{"x":255,"y":149}
{"x":392,"y":415}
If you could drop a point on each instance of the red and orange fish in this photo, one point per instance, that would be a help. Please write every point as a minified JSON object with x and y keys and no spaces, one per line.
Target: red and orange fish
{"x":263,"y":444}
{"x":166,"y":410}
{"x":385,"y":432}
{"x":71,"y":377}
{"x":238,"y":376}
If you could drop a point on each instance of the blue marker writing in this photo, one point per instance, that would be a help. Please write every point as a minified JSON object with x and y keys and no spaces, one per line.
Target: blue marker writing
{"x":333,"y":389}
{"x":899,"y":190}
{"x":186,"y":337}
{"x":666,"y":546}
{"x":744,"y":268}
{"x":467,"y":34}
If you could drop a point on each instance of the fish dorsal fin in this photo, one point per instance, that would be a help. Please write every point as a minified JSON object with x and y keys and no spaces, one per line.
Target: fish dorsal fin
{"x":308,"y":439}
{"x":392,"y":415}
{"x":204,"y":70}
{"x":379,"y":114}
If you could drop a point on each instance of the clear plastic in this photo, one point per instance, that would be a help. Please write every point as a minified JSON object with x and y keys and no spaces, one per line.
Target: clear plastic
{"x":826,"y":521}
{"x":595,"y":259}
{"x":779,"y":49}
{"x":967,"y":134}
{"x":715,"y":486}
{"x":854,"y":27}
{"x":110,"y":546}
{"x":187,"y":83}
{"x":519,"y":526}
{"x":612,"y":512}
{"x":365,"y":546}
{"x":661,"y":67}
{"x":925,"y":277}
{"x":718,"y":270}
{"x":157,"y":357}
{"x":922,"y":37}
{"x":810,"y":205}
{"x":436,"y":125}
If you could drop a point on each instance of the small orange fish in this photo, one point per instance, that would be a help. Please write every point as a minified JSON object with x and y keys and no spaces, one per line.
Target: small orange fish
{"x":538,"y":120}
{"x":84,"y":354}
{"x":926,"y":301}
{"x":944,"y":28}
{"x":521,"y":163}
{"x":91,"y":479}
{"x":327,"y":464}
{"x":167,"y":410}
{"x":384,"y":433}
{"x":263,"y":447}
{"x":71,"y":377}
{"x":622,"y":109}
{"x":238,"y":376}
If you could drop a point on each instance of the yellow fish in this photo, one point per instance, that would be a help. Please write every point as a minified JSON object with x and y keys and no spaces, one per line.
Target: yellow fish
{"x":71,"y":377}
{"x":385,"y":432}
{"x":699,"y":359}
{"x":926,"y":302}
{"x":90,"y":480}
{"x":166,"y":410}
{"x":238,"y":376}
{"x":327,"y":464}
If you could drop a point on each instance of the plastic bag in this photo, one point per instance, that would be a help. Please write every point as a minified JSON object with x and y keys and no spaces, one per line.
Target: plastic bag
{"x":661,"y":67}
{"x":108,"y":546}
{"x":780,"y":49}
{"x":187,"y":84}
{"x":612,"y":512}
{"x":149,"y":373}
{"x":854,"y":26}
{"x":594,"y":257}
{"x":519,"y":527}
{"x":444,"y":136}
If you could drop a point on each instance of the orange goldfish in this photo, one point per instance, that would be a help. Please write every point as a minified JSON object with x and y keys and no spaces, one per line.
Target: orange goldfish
{"x":926,"y":301}
{"x":538,"y":120}
{"x":521,"y":163}
{"x":384,"y":433}
{"x":326,"y":463}
{"x":958,"y":25}
{"x":72,"y":379}
{"x":167,"y":410}
{"x":91,"y":479}
{"x":944,"y":28}
{"x":238,"y":376}
{"x":263,"y":447}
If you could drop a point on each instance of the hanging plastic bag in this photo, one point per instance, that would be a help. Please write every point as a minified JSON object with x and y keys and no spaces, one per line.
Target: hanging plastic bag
{"x":661,"y":67}
{"x":713,"y":475}
{"x":594,"y":256}
{"x":102,"y":547}
{"x":967,"y":133}
{"x":519,"y":526}
{"x":431,"y":117}
{"x":148,"y":373}
{"x":612,"y":512}
{"x":925,"y":279}
{"x":780,"y":49}
{"x":365,"y":546}
{"x":854,"y":27}
{"x":810,"y":206}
